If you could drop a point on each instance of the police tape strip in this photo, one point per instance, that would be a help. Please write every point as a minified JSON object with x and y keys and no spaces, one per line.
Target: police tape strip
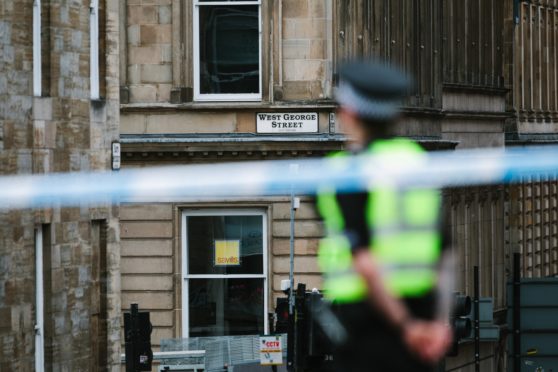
{"x":252,"y":179}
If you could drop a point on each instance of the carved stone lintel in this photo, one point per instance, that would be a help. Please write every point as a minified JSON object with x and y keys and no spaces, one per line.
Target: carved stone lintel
{"x":124,"y":94}
{"x":182,"y":95}
{"x":277,"y":93}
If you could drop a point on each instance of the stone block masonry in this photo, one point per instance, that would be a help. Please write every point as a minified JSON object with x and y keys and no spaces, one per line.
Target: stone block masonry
{"x":61,"y":131}
{"x":306,"y":42}
{"x":149,"y":48}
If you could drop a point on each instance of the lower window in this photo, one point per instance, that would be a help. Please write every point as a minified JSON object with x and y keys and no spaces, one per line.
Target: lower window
{"x":224,"y":273}
{"x":220,"y":307}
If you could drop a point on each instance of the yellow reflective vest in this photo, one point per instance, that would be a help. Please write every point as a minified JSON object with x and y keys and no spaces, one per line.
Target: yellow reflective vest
{"x":404,"y":223}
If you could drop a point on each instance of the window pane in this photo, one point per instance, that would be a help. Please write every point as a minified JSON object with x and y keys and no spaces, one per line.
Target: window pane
{"x":223,"y":307}
{"x":229,"y":49}
{"x":225,"y":244}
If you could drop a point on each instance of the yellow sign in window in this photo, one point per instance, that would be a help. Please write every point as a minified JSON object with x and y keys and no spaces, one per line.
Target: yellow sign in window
{"x":227,"y":252}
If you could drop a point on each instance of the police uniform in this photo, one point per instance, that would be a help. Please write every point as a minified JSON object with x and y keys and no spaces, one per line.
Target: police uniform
{"x":400,"y":227}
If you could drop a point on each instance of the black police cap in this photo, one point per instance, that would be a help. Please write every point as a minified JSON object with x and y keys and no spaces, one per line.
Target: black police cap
{"x":375,"y":79}
{"x":371,"y":89}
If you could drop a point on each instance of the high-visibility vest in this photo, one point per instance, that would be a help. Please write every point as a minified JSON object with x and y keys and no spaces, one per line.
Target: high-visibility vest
{"x":406,"y":241}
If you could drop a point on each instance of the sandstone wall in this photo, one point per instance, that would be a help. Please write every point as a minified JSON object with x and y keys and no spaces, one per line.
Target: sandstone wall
{"x":62,"y":130}
{"x":152,"y":255}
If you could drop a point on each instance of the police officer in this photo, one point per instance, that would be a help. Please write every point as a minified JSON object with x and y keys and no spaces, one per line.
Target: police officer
{"x":383,"y":252}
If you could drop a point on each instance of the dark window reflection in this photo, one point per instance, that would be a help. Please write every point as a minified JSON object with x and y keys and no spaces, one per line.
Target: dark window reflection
{"x":203,"y":231}
{"x":229,"y":49}
{"x":223,"y":307}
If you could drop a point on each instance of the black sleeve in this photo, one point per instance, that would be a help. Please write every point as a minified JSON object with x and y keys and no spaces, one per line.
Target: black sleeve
{"x":353,"y":207}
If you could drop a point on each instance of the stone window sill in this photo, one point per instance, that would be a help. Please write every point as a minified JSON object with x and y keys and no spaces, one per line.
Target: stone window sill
{"x":212,"y":106}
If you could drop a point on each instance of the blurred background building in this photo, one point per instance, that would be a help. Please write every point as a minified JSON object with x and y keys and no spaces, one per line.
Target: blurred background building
{"x":199,"y":81}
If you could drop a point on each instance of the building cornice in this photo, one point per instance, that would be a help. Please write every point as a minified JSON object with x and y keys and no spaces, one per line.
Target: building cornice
{"x":532,"y":139}
{"x":230,"y":147}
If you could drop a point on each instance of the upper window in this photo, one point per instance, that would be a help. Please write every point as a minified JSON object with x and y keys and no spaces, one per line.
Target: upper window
{"x":227,"y":50}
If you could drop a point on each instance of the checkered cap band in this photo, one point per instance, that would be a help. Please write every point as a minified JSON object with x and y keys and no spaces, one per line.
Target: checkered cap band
{"x":366,"y":107}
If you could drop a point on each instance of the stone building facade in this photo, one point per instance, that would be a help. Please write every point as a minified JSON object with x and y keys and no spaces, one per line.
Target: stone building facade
{"x":167,"y":119}
{"x":201,"y":82}
{"x":468,"y":76}
{"x":59,"y":267}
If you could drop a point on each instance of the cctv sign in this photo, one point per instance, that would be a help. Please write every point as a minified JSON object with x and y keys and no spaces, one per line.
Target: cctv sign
{"x":271,"y":351}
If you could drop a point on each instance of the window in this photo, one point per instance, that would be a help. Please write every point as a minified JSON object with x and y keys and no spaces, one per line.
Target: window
{"x":98,"y":309}
{"x":41,"y":48}
{"x":224,"y":270}
{"x":227,"y":50}
{"x":37,"y":50}
{"x":94,"y":44}
{"x":39,"y":302}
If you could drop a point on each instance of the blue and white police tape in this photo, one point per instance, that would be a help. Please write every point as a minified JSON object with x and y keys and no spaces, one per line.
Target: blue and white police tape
{"x":252,"y":179}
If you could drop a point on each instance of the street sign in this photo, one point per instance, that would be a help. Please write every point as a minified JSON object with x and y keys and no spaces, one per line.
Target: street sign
{"x":287,"y":122}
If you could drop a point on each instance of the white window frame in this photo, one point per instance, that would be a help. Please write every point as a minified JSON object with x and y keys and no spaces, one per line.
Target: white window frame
{"x":208,"y":97}
{"x":39,"y":303}
{"x":37,"y":49}
{"x":186,"y":277}
{"x":94,"y":52}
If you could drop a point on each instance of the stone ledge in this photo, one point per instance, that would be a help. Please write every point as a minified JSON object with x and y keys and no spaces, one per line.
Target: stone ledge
{"x":216,"y":106}
{"x":483,"y":89}
{"x":478,"y":115}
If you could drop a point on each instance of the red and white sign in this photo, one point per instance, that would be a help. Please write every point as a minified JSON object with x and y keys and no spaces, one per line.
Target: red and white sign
{"x":271,"y":351}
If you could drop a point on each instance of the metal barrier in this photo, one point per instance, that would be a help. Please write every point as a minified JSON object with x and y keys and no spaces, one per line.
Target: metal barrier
{"x":181,"y":368}
{"x":182,"y":360}
{"x":221,"y":353}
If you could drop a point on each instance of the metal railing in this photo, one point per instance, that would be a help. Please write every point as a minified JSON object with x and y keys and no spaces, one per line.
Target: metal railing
{"x":187,"y":360}
{"x":221,"y":353}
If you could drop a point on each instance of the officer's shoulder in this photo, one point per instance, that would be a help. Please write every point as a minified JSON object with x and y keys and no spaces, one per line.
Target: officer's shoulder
{"x":337,"y":154}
